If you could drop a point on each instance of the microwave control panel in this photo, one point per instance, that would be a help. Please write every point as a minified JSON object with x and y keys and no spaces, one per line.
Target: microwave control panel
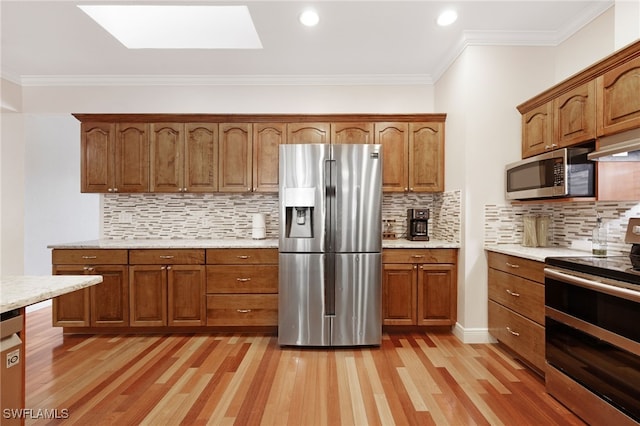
{"x":558,"y":172}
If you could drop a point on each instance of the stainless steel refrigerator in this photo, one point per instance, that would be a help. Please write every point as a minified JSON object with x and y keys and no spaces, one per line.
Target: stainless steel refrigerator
{"x":330,"y":243}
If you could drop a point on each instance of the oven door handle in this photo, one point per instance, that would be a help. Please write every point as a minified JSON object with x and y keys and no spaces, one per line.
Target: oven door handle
{"x":621,"y":292}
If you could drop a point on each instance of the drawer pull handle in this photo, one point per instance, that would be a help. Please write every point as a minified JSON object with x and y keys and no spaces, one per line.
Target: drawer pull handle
{"x":417,"y":256}
{"x":89,"y":268}
{"x":89,"y":257}
{"x":243,"y":311}
{"x":513,"y":293}
{"x":243,"y":257}
{"x":515,"y":333}
{"x":165,"y":256}
{"x":511,"y":265}
{"x":243,"y":280}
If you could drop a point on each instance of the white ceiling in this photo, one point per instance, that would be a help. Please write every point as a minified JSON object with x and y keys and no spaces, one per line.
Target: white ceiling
{"x":54,"y":42}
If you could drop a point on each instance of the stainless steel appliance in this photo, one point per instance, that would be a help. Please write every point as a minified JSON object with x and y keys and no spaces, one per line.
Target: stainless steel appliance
{"x":592,"y":338}
{"x":561,"y":173}
{"x":330,"y":242}
{"x":417,"y":224}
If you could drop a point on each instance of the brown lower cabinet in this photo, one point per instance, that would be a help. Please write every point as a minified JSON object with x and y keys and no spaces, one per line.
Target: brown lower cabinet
{"x":167,"y":287}
{"x":419,"y":287}
{"x":242,"y":287}
{"x":516,"y":306}
{"x":102,"y":305}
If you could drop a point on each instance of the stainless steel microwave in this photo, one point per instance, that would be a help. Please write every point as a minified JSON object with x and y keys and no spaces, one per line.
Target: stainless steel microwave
{"x":561,"y":173}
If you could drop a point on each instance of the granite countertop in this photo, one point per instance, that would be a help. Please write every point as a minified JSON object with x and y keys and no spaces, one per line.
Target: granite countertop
{"x":20,"y":291}
{"x":535,"y":253}
{"x":221,"y":243}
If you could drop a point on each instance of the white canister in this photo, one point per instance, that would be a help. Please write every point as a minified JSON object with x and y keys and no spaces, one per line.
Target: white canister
{"x":258,"y":227}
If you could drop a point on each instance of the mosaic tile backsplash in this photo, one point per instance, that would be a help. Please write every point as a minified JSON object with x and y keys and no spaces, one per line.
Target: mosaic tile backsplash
{"x":204,"y":216}
{"x":570,"y":222}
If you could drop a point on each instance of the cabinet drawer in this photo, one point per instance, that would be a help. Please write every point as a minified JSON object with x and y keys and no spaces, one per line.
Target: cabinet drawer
{"x":523,"y":336}
{"x":419,"y":256}
{"x":166,"y":257}
{"x":518,"y":294}
{"x":233,"y":256}
{"x":230,"y":310}
{"x":525,"y":268}
{"x":242,"y":279}
{"x":89,"y":256}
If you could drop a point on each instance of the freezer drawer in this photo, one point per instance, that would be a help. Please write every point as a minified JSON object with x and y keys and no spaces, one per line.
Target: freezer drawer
{"x":330,"y":300}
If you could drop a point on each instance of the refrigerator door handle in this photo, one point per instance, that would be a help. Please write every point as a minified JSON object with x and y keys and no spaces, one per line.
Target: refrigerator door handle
{"x":330,"y":197}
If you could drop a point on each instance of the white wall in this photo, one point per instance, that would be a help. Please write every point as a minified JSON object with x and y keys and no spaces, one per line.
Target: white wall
{"x":480,"y":92}
{"x":11,"y":181}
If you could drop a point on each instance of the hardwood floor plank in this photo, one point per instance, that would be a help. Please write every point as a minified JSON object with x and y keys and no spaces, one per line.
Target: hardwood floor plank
{"x":413,"y":378}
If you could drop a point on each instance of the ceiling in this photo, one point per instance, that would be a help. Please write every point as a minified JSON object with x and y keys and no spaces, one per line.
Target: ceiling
{"x":356,"y":42}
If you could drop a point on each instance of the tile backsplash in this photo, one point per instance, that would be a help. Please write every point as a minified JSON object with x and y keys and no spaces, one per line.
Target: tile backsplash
{"x":202,"y":216}
{"x":570,"y":222}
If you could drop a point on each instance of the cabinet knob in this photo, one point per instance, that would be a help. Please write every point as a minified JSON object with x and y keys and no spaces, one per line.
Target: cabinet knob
{"x":168,"y":268}
{"x":115,"y":189}
{"x":406,"y":189}
{"x":410,"y":189}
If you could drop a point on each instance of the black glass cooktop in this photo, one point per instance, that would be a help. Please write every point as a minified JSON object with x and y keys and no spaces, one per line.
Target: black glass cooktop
{"x":613,"y":267}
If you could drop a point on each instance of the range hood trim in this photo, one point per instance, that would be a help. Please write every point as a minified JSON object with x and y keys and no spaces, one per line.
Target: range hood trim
{"x":628,"y":141}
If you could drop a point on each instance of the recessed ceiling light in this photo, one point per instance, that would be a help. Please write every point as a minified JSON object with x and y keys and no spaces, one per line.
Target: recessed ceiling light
{"x":309,"y":18}
{"x":447,"y":17}
{"x":177,"y":27}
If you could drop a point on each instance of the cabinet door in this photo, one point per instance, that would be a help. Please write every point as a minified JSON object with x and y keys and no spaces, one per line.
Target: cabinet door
{"x":148,"y":295}
{"x":267,"y":138}
{"x":437,"y":294}
{"x":426,"y":157}
{"x":71,"y":309}
{"x":235,"y":157}
{"x":537,"y":130}
{"x":394,"y":138}
{"x":575,"y":115}
{"x":132,"y":157}
{"x":351,"y":133}
{"x":618,"y":100}
{"x":201,"y":157}
{"x":308,"y":133}
{"x":399,"y":284}
{"x":110,"y":298}
{"x":186,"y":295}
{"x":96,"y":157}
{"x":167,"y":159}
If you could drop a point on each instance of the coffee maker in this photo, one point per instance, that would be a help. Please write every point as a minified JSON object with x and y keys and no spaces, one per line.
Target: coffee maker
{"x":417,"y":224}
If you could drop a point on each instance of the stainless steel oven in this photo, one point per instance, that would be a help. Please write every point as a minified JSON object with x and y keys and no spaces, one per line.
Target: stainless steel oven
{"x":592,"y":337}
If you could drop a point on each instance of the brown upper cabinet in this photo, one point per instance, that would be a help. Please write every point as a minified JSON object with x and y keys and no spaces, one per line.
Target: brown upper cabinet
{"x":308,"y":133}
{"x":178,"y":153}
{"x":267,"y":138}
{"x":567,"y":120}
{"x":619,"y":106}
{"x":412,"y":156}
{"x":348,"y":133}
{"x":184,"y":157}
{"x":601,"y":100}
{"x":235,"y":157}
{"x":114,"y":157}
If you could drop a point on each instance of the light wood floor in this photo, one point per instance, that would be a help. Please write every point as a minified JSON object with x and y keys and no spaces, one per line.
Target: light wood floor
{"x":225,"y":379}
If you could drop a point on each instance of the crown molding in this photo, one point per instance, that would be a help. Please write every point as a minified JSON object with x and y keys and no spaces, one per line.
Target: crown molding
{"x":227,"y":80}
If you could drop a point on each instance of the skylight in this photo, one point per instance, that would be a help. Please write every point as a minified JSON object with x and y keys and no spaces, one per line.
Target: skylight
{"x":177,"y":27}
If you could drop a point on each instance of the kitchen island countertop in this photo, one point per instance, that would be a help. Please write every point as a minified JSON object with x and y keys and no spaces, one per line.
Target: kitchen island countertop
{"x":222,"y":243}
{"x":20,"y":291}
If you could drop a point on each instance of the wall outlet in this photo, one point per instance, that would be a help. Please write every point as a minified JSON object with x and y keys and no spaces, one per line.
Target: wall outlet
{"x":125,"y":217}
